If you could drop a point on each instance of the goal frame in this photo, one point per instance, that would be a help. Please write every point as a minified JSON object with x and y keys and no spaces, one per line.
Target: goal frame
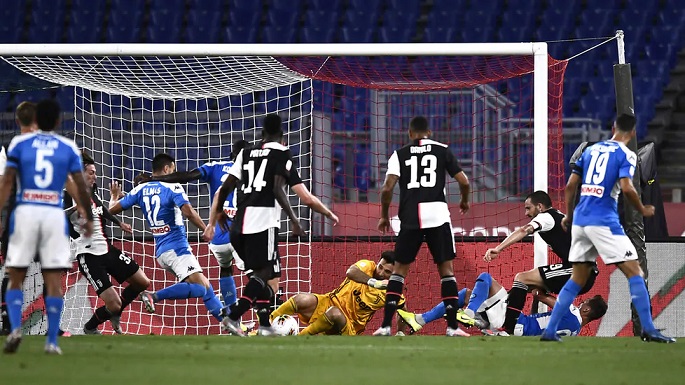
{"x":536,"y":49}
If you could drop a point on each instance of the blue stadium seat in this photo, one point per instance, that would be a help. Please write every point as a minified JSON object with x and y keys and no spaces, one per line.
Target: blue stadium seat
{"x":408,"y":5}
{"x":237,"y":34}
{"x":324,"y":5}
{"x":165,"y":19}
{"x":32,"y":96}
{"x":85,"y":26}
{"x":322,"y":95}
{"x":667,"y":34}
{"x":515,"y":33}
{"x":163,"y":34}
{"x":357,"y":35}
{"x":451,"y":6}
{"x":519,"y":18}
{"x":174,"y":6}
{"x":243,"y":18}
{"x":214,"y":6}
{"x":282,"y":19}
{"x":360,"y":19}
{"x":286,"y":6}
{"x":444,"y":19}
{"x":124,"y":26}
{"x":321,"y":19}
{"x":274,"y":34}
{"x":366,"y":5}
{"x":249,"y":5}
{"x":122,"y":34}
{"x":439,"y":35}
{"x":317,"y":35}
{"x":47,"y":22}
{"x":399,"y":19}
{"x":11,"y":25}
{"x":395,"y":34}
{"x":362,"y":168}
{"x":477,"y":34}
{"x":205,"y":33}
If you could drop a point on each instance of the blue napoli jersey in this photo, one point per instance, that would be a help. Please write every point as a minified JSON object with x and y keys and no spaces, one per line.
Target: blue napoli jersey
{"x":43,"y":161}
{"x":601,"y":167}
{"x":534,"y":324}
{"x":160,"y":203}
{"x":214,"y":174}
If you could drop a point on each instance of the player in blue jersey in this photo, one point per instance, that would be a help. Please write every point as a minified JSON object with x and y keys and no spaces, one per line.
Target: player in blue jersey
{"x":491,"y":309}
{"x":163,"y":206}
{"x":41,"y":162}
{"x":605,"y":169}
{"x":214,"y":174}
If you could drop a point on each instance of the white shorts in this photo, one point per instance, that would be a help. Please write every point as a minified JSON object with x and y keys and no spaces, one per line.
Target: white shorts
{"x":225,"y":255}
{"x":182,"y":266}
{"x":38,"y":229}
{"x":495,"y":308}
{"x":587,"y":242}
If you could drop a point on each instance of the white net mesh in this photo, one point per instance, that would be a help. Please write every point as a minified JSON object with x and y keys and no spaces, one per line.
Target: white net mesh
{"x":127,"y":110}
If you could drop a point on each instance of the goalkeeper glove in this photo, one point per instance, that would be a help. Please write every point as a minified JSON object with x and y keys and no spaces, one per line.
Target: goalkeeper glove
{"x":373,"y":282}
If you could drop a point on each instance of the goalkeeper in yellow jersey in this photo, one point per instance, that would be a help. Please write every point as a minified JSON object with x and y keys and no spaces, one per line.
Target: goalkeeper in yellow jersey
{"x":347,"y":309}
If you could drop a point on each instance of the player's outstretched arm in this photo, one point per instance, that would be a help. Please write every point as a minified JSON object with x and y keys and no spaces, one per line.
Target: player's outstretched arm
{"x":192,"y":215}
{"x":514,"y":237}
{"x":313,"y":202}
{"x":279,"y":183}
{"x":629,"y":192}
{"x":83,"y":199}
{"x":570,"y":196}
{"x":386,"y":199}
{"x":114,"y":194}
{"x":355,"y":274}
{"x":179,"y":176}
{"x":464,"y":189}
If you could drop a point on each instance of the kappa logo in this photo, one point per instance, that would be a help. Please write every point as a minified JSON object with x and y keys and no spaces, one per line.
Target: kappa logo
{"x":190,"y":268}
{"x":629,"y":254}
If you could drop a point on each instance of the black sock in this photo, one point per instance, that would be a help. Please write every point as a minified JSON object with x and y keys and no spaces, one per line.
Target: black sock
{"x":393,"y":294}
{"x":450,"y":296}
{"x":263,"y":306}
{"x":5,"y":317}
{"x":100,"y":315}
{"x":127,"y":296}
{"x":515,"y":302}
{"x":252,"y":290}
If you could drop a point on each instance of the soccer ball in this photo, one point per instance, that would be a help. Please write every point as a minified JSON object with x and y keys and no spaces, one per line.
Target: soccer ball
{"x":285,"y":325}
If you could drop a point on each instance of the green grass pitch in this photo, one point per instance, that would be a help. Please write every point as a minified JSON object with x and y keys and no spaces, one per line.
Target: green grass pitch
{"x":200,"y":360}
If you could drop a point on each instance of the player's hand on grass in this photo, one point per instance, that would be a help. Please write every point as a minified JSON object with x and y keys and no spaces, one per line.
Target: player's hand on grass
{"x":384,"y":225}
{"x":648,"y":211}
{"x":491,"y":254}
{"x":566,"y":222}
{"x":464,"y":207}
{"x":142,"y":178}
{"x":208,"y":234}
{"x":125,"y":227}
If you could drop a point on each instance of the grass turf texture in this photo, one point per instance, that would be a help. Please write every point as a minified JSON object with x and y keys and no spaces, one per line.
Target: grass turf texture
{"x":344,"y":360}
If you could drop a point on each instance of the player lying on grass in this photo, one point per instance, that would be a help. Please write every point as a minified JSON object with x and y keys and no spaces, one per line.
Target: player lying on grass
{"x":488,"y":300}
{"x":347,"y":309}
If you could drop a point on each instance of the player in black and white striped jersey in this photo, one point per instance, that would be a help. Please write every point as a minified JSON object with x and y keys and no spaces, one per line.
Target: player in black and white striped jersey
{"x":545,"y":221}
{"x":420,"y":168}
{"x":98,"y":259}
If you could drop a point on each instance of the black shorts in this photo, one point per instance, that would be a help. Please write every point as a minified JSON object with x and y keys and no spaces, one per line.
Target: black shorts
{"x":258,"y":250}
{"x":440,"y":241}
{"x":555,"y":277}
{"x":98,"y":268}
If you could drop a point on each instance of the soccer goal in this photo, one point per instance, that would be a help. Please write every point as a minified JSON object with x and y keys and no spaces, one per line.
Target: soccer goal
{"x":345,"y":107}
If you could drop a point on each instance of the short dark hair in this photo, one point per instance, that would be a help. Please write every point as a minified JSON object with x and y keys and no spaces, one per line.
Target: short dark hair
{"x":389,"y":256}
{"x":236,"y":147}
{"x":26,"y":113}
{"x":418,"y":124}
{"x":538,"y":197}
{"x":86,"y":159}
{"x":161,"y":160}
{"x":272,"y":125}
{"x":625,"y":122}
{"x":47,"y":114}
{"x":598,"y":307}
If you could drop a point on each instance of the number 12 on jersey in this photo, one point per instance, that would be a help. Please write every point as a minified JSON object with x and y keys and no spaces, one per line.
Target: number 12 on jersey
{"x":429,"y":163}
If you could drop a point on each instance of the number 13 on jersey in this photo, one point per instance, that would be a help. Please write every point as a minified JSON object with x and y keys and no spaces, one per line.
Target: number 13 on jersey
{"x":429,"y":164}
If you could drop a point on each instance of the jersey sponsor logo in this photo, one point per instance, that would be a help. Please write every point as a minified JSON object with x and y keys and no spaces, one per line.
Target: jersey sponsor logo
{"x":230,"y":211}
{"x":259,"y":153}
{"x":592,"y":190}
{"x":160,"y":230}
{"x":98,"y":211}
{"x":420,"y":149}
{"x":40,"y":196}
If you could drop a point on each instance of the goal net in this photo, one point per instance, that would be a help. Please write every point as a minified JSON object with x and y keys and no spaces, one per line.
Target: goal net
{"x":344,"y":116}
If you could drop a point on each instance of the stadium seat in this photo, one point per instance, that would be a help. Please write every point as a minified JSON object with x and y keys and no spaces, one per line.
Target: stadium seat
{"x":286,"y":6}
{"x":321,"y":19}
{"x":213,"y":6}
{"x":519,"y":18}
{"x":282,"y":19}
{"x":122,"y":34}
{"x":85,"y":26}
{"x":237,"y":34}
{"x":357,"y":35}
{"x":249,"y":5}
{"x":408,"y":5}
{"x":400,"y":19}
{"x":317,"y":35}
{"x":173,"y":6}
{"x":360,"y":19}
{"x":324,"y":5}
{"x":274,"y":34}
{"x":205,"y":33}
{"x":11,"y":33}
{"x":163,"y":34}
{"x":362,"y":168}
{"x":243,"y":18}
{"x":451,"y":6}
{"x":395,"y":34}
{"x":439,"y":35}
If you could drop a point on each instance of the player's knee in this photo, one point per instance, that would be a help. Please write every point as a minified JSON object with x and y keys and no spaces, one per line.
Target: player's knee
{"x":114,"y":305}
{"x":336,"y":316}
{"x":485,"y":277}
{"x":305,"y":301}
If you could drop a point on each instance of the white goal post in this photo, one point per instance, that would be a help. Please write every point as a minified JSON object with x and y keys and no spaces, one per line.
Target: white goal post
{"x":209,"y":76}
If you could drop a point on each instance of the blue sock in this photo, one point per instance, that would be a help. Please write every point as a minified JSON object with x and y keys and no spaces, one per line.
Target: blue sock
{"x":568,"y":293}
{"x":181,"y":290}
{"x":212,"y":303}
{"x":54,"y":307}
{"x":14,"y":299}
{"x":228,"y":290}
{"x":480,"y":291}
{"x":640,"y":297}
{"x":435,"y":313}
{"x":462,"y":298}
